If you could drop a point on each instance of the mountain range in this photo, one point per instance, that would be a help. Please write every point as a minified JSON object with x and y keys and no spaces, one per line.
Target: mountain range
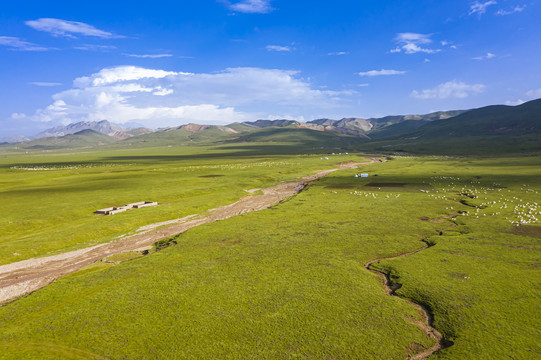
{"x":104,"y":127}
{"x":348,"y":126}
{"x":452,"y":132}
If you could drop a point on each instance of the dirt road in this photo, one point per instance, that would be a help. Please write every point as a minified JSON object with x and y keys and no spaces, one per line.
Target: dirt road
{"x":26,"y":276}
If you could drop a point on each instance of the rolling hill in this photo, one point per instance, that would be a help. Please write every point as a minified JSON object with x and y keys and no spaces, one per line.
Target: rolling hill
{"x":104,"y":127}
{"x":491,"y":129}
{"x":490,"y":120}
{"x":83,"y":139}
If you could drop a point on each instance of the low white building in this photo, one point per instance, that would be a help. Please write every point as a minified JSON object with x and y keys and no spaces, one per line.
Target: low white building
{"x":119,"y":209}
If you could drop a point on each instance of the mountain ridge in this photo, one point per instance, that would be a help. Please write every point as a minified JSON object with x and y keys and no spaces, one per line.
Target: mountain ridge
{"x":486,"y":129}
{"x":353,"y":126}
{"x":102,"y":126}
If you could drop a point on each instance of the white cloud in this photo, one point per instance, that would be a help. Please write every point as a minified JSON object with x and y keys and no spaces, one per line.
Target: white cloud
{"x":381,"y":72}
{"x":158,"y":98}
{"x":535,"y":93}
{"x":148,"y":56}
{"x":58,"y":27}
{"x":481,"y":8}
{"x":448,"y":43}
{"x":450,"y":89}
{"x":17,"y":44}
{"x":252,"y":6}
{"x":121,"y":74}
{"x":278,"y":48}
{"x":484,"y":57}
{"x":516,"y":9}
{"x":414,"y":37}
{"x":17,"y":116}
{"x":515,"y":102}
{"x":411,"y":43}
{"x":159,"y":91}
{"x":92,"y":47}
{"x":338,"y":53}
{"x":40,"y":83}
{"x":298,"y":118}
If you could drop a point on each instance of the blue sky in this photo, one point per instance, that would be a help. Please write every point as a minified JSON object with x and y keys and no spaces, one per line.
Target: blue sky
{"x":217,"y":61}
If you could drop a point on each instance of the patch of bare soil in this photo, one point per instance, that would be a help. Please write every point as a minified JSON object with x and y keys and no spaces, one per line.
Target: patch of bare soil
{"x":345,"y":163}
{"x":527,"y":230}
{"x":26,"y":276}
{"x":251,"y":191}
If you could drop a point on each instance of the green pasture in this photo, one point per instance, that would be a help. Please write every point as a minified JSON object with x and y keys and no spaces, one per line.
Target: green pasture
{"x":48,"y":198}
{"x":285,"y":282}
{"x":289,"y":282}
{"x":481,"y":278}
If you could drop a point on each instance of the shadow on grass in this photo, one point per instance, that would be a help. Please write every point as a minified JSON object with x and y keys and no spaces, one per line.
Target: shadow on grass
{"x":396,"y":183}
{"x":229,"y":152}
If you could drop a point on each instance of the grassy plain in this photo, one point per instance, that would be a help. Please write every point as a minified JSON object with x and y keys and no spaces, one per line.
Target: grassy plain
{"x":48,"y":198}
{"x":290,"y":281}
{"x":481,"y":278}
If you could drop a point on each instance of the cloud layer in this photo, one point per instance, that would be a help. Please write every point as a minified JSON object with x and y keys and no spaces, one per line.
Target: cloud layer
{"x":381,"y":72}
{"x":450,"y":89}
{"x":485,"y":57}
{"x":534,"y":93}
{"x":481,"y":8}
{"x":42,"y":83}
{"x":158,"y":98}
{"x":251,"y":6}
{"x":278,"y":48}
{"x":15,"y":43}
{"x":58,"y":27}
{"x":411,"y":43}
{"x":514,"y":10}
{"x":148,"y":56}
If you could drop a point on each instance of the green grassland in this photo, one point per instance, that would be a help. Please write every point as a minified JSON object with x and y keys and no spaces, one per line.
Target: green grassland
{"x":48,"y":198}
{"x":290,"y":282}
{"x":481,"y":279}
{"x":489,"y":131}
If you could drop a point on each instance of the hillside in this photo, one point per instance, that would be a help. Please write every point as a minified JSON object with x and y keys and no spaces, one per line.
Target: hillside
{"x":189,"y":134}
{"x":397,"y":128}
{"x":489,"y":130}
{"x":103,"y":126}
{"x":369,"y":125}
{"x":352,"y":129}
{"x":490,"y":120}
{"x":295,"y":140}
{"x":82,"y":139}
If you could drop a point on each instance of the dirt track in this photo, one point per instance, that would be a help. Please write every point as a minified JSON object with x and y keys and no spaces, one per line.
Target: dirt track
{"x":24,"y":277}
